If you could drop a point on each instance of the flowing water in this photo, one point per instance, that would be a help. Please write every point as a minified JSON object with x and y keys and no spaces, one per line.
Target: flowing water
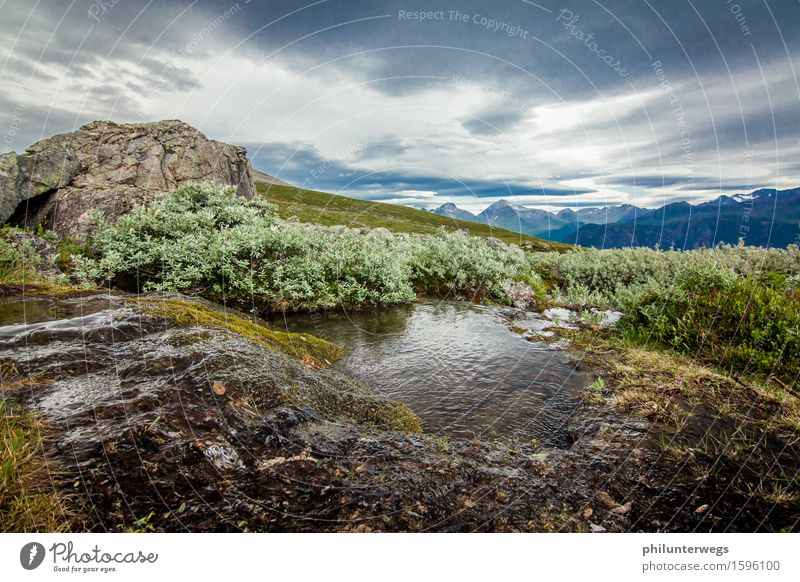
{"x":459,"y":366}
{"x":22,"y":311}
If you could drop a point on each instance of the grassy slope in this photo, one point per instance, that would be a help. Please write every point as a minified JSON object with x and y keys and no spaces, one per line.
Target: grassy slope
{"x":330,"y":209}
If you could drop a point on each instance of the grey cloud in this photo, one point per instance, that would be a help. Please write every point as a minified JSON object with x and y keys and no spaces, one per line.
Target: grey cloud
{"x":646,"y":181}
{"x":122,"y":35}
{"x":493,"y":122}
{"x":23,"y":124}
{"x":386,"y":147}
{"x":741,"y":188}
{"x":299,"y":163}
{"x":166,"y":76}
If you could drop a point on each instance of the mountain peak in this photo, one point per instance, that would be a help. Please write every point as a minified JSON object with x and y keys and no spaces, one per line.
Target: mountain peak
{"x":450,"y":210}
{"x":503,"y":202}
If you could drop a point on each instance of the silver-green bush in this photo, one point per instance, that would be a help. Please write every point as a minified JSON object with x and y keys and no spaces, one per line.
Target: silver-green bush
{"x":205,"y":240}
{"x":620,"y":277}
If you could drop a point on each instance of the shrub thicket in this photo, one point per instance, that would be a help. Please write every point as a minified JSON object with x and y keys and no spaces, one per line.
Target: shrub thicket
{"x":20,"y":260}
{"x":203,"y":239}
{"x":734,"y":306}
{"x":616,"y":278}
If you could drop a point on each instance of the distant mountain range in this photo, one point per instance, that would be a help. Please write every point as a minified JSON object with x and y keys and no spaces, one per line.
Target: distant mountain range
{"x":555,"y":226}
{"x":765,"y":217}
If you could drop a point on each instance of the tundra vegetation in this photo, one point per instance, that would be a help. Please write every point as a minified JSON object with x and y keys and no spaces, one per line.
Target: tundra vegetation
{"x":28,"y":500}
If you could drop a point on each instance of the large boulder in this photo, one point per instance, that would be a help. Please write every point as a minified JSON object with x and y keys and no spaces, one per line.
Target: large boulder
{"x":109,"y":167}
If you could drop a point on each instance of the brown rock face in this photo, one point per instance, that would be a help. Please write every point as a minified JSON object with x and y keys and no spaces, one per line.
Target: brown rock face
{"x":109,"y":167}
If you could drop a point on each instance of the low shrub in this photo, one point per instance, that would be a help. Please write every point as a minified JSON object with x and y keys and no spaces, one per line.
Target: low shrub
{"x":29,"y":500}
{"x":734,"y":306}
{"x":451,"y":263}
{"x":202,"y":239}
{"x":615,"y":278}
{"x":747,"y":324}
{"x":18,"y":258}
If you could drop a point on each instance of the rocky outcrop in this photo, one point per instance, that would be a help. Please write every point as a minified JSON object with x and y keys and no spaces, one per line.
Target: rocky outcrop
{"x":109,"y":167}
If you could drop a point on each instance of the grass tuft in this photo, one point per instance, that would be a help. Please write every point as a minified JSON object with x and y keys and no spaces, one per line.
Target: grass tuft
{"x":28,"y":500}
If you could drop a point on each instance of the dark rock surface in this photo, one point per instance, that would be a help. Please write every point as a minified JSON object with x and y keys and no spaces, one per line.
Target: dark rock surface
{"x":109,"y":167}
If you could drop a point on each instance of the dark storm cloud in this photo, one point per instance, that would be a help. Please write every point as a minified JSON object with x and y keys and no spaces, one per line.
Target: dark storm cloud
{"x":118,"y":48}
{"x":647,"y":181}
{"x":635,"y":33}
{"x":449,"y":188}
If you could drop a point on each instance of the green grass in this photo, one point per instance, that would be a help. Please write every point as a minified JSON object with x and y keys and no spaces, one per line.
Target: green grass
{"x":331,"y":209}
{"x":18,"y":260}
{"x":28,"y":501}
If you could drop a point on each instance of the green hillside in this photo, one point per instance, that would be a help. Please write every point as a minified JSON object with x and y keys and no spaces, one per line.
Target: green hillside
{"x":329,"y":209}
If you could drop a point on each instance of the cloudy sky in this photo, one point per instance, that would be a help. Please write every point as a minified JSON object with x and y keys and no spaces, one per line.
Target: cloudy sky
{"x":548,"y":103}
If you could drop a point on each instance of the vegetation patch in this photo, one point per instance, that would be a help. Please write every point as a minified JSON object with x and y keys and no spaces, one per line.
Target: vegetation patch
{"x":202,"y":239}
{"x":724,"y":430}
{"x":47,"y":289}
{"x":29,"y":501}
{"x":733,"y":307}
{"x":19,"y":260}
{"x":188,"y":314}
{"x":69,"y":248}
{"x":743,"y":324}
{"x":619,"y":278}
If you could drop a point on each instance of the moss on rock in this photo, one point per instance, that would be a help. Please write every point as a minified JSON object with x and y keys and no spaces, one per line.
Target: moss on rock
{"x":305,"y":347}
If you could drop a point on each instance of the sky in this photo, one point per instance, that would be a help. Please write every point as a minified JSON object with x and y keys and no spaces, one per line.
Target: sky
{"x":550,"y":104}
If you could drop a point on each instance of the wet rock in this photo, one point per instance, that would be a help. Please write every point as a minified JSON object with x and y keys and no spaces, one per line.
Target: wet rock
{"x":560,"y":316}
{"x":109,"y":167}
{"x":570,"y":319}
